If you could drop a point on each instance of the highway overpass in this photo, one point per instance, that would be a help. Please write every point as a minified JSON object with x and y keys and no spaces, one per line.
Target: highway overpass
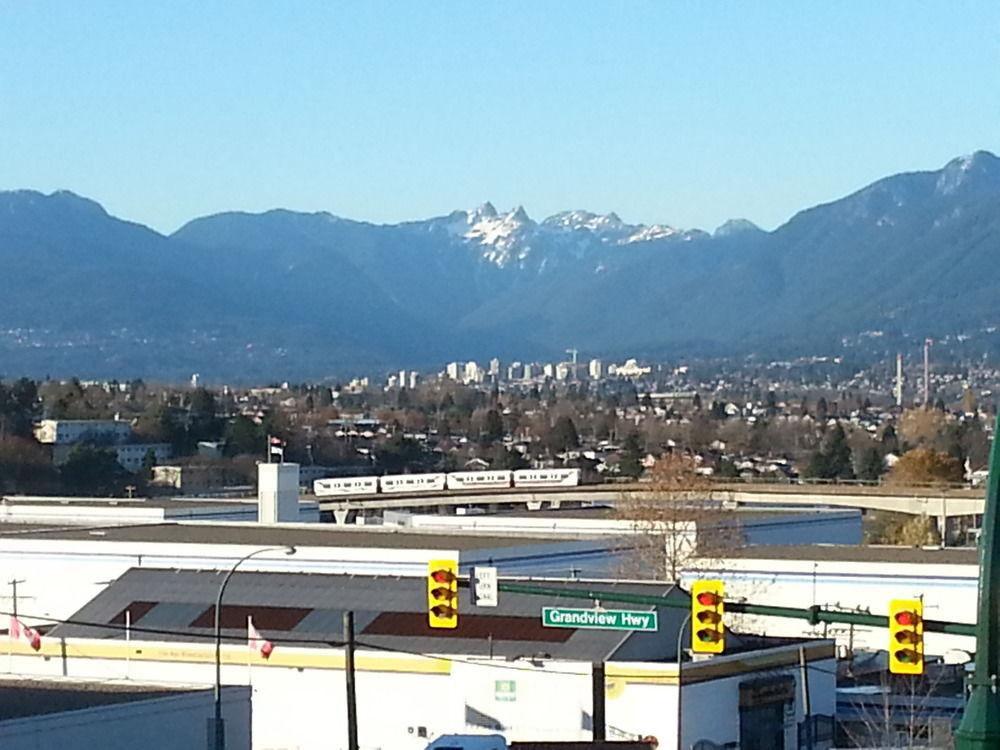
{"x":936,"y":503}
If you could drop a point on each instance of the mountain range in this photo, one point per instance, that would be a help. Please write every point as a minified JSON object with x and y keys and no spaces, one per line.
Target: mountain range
{"x":282,"y":294}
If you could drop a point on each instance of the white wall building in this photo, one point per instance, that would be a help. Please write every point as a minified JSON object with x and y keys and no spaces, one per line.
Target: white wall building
{"x":69,"y":431}
{"x":536,"y":685}
{"x":852,"y":578}
{"x":596,"y":369}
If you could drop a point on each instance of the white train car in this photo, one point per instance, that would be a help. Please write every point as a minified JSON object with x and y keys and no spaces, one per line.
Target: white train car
{"x":479,"y":480}
{"x":542,"y":478}
{"x":391,"y":483}
{"x":345,"y":486}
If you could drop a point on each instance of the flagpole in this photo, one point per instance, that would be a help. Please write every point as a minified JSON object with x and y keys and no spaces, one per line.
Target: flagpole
{"x":128,"y":642}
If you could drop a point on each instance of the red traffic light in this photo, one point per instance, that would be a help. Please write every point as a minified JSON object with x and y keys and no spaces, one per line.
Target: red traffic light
{"x":442,"y":576}
{"x":907,"y":618}
{"x":709,"y":599}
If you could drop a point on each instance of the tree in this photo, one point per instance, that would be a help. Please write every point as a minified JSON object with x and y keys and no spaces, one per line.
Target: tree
{"x":492,"y":427}
{"x":93,"y":471}
{"x":399,"y":453}
{"x":504,"y":459}
{"x":676,"y":524}
{"x":922,"y":466}
{"x":870,"y":464}
{"x":563,"y":436}
{"x":244,"y":437}
{"x":630,"y":463}
{"x":901,"y":529}
{"x":25,"y":466}
{"x":822,"y":410}
{"x":833,"y":459}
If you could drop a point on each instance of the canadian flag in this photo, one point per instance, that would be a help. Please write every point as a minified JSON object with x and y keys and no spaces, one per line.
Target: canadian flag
{"x":19,"y":630}
{"x":257,"y":642}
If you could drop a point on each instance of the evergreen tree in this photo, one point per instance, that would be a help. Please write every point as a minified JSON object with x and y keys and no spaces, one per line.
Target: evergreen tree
{"x":630,"y":464}
{"x":563,"y":436}
{"x":492,"y":427}
{"x":822,"y":411}
{"x":838,"y":454}
{"x":870,"y":464}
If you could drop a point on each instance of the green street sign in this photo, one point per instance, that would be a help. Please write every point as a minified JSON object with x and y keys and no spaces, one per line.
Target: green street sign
{"x":599,"y":619}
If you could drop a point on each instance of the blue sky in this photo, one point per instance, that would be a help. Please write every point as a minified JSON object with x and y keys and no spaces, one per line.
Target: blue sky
{"x":678,"y":112}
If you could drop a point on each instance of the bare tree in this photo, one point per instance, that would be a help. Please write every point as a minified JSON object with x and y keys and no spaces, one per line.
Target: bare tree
{"x":675,"y":524}
{"x":896,"y":711}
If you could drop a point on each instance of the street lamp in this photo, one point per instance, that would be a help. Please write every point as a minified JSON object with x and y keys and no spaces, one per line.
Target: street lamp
{"x":218,"y":733}
{"x":680,"y":681}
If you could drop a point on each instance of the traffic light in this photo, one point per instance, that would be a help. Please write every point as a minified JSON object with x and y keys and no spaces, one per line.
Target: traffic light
{"x":442,"y":593}
{"x":708,"y":632}
{"x":906,"y":636}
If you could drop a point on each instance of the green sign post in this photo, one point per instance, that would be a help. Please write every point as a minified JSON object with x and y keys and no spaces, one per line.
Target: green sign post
{"x":980,"y":727}
{"x":599,"y":619}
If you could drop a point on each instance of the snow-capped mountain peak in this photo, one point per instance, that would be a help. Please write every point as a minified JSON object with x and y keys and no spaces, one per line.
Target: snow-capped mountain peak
{"x":571,"y":221}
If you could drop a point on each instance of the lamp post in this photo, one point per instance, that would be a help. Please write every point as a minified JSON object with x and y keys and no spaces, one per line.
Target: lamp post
{"x":680,"y":682}
{"x":217,"y":734}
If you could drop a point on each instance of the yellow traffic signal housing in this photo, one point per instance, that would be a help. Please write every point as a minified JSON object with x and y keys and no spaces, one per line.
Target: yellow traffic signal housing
{"x":906,"y":636}
{"x":442,"y":593}
{"x":708,"y":632}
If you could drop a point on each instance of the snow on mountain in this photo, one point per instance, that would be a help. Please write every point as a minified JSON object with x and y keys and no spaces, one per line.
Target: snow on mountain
{"x":650,"y":233}
{"x":512,"y":238}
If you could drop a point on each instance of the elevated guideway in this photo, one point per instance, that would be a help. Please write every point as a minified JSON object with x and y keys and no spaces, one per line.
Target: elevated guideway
{"x":938,"y":503}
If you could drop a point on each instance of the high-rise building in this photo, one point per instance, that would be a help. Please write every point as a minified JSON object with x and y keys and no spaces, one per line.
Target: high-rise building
{"x":494,"y":366}
{"x":596,"y":369}
{"x":529,"y":371}
{"x":549,"y":370}
{"x":562,"y":370}
{"x":513,"y":370}
{"x":473,"y":373}
{"x":454,"y":370}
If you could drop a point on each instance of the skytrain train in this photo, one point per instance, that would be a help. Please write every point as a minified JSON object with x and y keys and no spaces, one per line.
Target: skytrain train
{"x":391,"y":484}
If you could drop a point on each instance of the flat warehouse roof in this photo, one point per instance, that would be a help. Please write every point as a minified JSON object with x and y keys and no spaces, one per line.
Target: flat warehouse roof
{"x":306,"y":535}
{"x":859,"y":553}
{"x":33,"y":697}
{"x":391,"y":613}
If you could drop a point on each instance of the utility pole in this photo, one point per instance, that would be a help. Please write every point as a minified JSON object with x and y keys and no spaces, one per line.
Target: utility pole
{"x":980,"y":727}
{"x":927,"y":372}
{"x":899,"y":379}
{"x":597,"y":711}
{"x":352,"y":703}
{"x":13,"y":593}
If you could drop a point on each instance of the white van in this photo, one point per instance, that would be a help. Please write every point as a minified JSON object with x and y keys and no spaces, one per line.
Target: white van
{"x":469,"y":742}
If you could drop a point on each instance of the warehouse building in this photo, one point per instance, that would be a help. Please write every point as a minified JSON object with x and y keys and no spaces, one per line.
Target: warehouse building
{"x":501,"y":670}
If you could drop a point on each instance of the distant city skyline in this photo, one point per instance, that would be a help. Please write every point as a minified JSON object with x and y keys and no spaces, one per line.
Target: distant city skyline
{"x":684,"y":115}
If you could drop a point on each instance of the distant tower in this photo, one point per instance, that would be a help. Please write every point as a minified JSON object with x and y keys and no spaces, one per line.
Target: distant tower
{"x":927,"y":371}
{"x":899,"y":379}
{"x":195,"y":379}
{"x":572,"y":353}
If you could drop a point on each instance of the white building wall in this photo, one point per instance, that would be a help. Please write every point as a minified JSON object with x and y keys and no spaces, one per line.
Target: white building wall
{"x":708,"y":706}
{"x":278,"y":492}
{"x":949,"y":593}
{"x":793,"y":527}
{"x":176,"y":722}
{"x":405,"y":701}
